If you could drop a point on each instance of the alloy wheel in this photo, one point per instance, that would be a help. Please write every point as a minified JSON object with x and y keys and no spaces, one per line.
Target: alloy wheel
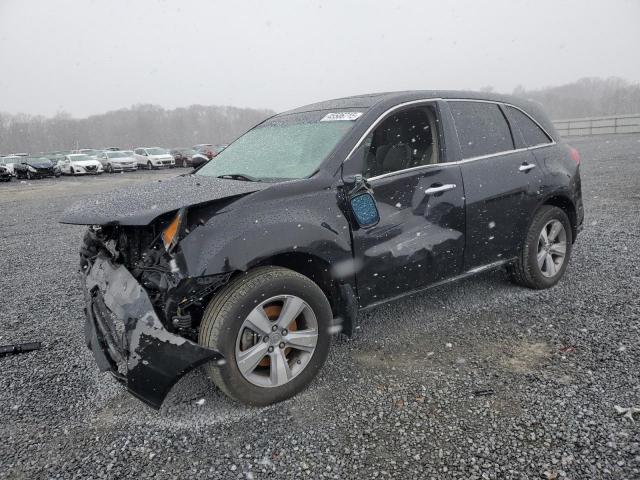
{"x":276,"y":341}
{"x":552,"y":248}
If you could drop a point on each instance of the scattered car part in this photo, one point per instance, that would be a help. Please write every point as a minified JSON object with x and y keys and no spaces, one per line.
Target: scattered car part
{"x":19,"y":348}
{"x":627,"y":412}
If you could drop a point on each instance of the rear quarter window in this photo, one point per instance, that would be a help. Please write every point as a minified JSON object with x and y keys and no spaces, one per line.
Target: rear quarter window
{"x":482,"y":128}
{"x":532,"y":134}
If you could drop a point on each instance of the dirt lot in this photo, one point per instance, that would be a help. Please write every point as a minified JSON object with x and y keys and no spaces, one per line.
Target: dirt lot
{"x":479,"y":379}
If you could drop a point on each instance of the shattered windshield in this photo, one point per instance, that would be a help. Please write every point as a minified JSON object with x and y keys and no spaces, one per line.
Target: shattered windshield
{"x":285,"y":147}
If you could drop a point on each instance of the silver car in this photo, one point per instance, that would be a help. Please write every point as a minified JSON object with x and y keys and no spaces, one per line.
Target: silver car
{"x":117,"y":161}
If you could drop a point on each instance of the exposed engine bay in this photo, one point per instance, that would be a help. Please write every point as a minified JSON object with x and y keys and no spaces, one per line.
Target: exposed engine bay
{"x":178,"y":300}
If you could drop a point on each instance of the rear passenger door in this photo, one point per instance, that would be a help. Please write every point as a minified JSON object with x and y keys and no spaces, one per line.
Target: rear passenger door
{"x":501,"y":182}
{"x":138,"y":154}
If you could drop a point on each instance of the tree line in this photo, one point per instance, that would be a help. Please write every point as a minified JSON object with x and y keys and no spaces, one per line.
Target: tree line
{"x":147,"y":125}
{"x":587,"y":97}
{"x":140,"y":125}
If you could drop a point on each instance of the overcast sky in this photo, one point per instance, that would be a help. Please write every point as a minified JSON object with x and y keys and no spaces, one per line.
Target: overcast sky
{"x":86,"y":57}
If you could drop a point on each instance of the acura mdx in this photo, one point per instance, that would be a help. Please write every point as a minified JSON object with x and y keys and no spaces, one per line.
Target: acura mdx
{"x":247,"y":266}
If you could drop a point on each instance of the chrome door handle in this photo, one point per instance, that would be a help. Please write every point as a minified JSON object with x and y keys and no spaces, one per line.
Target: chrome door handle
{"x":440,"y":189}
{"x":525,"y":167}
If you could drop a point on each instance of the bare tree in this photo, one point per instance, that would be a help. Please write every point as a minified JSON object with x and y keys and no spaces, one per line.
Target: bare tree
{"x":139,"y":125}
{"x":587,"y":97}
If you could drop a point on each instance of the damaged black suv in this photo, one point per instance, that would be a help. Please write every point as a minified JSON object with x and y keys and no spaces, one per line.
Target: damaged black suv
{"x":248,"y":265}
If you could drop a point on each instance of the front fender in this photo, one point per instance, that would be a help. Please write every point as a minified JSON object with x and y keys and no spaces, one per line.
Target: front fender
{"x":240,"y":238}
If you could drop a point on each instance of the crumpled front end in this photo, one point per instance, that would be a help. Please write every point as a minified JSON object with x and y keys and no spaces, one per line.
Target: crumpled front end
{"x":128,"y":338}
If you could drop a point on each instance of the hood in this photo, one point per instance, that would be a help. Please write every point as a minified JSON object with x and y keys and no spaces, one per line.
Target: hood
{"x":141,"y":204}
{"x":85,"y":163}
{"x":41,"y":166}
{"x":122,"y":160}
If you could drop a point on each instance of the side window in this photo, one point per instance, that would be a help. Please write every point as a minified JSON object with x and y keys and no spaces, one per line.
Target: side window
{"x":138,"y":151}
{"x":482,"y":128}
{"x":404,"y":140}
{"x":532,"y":134}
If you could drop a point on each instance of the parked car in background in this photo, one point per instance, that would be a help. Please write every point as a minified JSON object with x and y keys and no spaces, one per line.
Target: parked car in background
{"x":208,"y":149}
{"x":5,"y":174}
{"x":34,"y":167}
{"x":8,"y":162}
{"x":54,"y":157}
{"x":153,"y":157}
{"x":80,"y":164}
{"x":117,"y":161}
{"x":91,"y":152}
{"x":385,"y":196}
{"x":183,"y":156}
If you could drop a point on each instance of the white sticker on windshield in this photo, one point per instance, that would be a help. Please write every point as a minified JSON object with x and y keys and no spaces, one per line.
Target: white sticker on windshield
{"x":341,"y":116}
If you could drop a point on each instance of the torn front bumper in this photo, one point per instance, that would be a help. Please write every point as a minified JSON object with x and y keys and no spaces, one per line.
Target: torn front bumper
{"x":128,"y":339}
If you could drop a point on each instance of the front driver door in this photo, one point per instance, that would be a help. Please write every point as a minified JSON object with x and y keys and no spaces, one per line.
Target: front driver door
{"x":420,"y":238}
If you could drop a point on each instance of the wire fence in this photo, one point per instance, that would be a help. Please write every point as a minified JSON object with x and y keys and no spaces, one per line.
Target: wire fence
{"x":598,"y":125}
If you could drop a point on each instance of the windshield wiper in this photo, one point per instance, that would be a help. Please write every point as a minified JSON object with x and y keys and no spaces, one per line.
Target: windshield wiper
{"x":240,"y":176}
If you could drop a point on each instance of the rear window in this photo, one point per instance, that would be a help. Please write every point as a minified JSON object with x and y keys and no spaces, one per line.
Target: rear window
{"x":532,"y":134}
{"x":482,"y":128}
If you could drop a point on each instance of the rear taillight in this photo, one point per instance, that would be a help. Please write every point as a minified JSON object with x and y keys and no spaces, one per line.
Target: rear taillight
{"x":575,"y":155}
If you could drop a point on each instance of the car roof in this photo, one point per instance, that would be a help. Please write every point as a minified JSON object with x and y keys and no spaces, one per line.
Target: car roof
{"x":389,"y":99}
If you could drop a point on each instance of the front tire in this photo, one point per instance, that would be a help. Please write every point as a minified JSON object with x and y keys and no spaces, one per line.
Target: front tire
{"x":149,"y":165}
{"x":272,"y":326}
{"x":546,"y":250}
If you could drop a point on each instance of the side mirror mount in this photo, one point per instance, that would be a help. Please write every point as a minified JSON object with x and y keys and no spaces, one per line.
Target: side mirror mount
{"x":364,"y":210}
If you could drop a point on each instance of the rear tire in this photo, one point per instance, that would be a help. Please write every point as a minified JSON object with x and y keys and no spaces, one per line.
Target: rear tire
{"x":224,"y":328}
{"x":545,"y":254}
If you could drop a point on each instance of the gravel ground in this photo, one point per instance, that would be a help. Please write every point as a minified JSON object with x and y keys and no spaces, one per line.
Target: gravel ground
{"x":397,"y":400}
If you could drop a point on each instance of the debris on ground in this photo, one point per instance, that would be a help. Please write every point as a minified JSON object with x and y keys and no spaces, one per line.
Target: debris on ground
{"x":484,"y":392}
{"x":17,"y":348}
{"x":627,"y":412}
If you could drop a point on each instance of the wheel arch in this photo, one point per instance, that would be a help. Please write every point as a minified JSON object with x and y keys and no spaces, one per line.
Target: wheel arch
{"x":564,"y":203}
{"x":340,"y":294}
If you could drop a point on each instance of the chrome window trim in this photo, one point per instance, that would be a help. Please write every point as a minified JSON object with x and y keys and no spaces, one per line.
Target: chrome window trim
{"x":460,"y":162}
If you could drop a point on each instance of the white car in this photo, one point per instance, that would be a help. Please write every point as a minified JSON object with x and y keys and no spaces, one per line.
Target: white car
{"x":154,"y":157}
{"x":117,"y":161}
{"x":8,"y":163}
{"x":80,"y":164}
